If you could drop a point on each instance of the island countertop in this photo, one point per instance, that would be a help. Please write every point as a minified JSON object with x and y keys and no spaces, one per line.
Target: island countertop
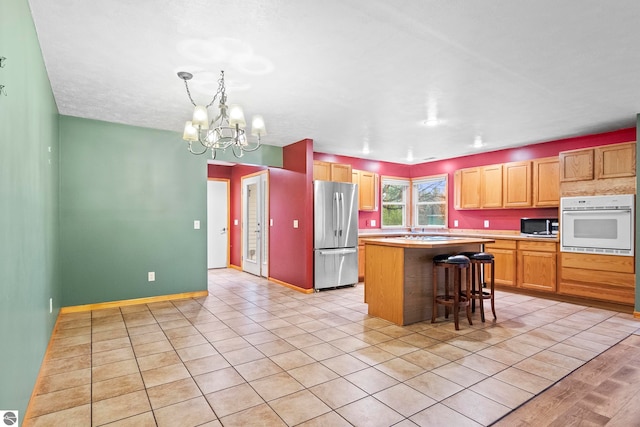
{"x":426,"y":242}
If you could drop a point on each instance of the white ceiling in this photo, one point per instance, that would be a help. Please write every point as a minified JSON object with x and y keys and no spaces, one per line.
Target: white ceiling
{"x":354,"y":73}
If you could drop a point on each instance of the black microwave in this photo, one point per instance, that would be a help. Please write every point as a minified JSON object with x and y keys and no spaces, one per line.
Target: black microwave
{"x":539,"y":226}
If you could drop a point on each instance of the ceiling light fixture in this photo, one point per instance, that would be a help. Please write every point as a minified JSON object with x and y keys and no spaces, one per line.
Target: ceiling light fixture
{"x":225,"y":130}
{"x":477,"y":142}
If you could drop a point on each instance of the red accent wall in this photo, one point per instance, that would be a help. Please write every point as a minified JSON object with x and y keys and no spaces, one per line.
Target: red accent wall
{"x":219,"y":171}
{"x":499,"y":219}
{"x":291,"y":197}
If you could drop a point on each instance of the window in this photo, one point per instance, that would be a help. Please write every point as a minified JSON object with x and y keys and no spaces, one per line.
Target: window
{"x":394,"y":202}
{"x":430,"y":201}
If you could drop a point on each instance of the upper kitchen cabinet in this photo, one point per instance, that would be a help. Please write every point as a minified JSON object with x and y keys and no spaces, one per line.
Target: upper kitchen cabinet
{"x":576,"y":165}
{"x":546,"y":182}
{"x":327,"y":171}
{"x":615,"y":161}
{"x":367,"y":189}
{"x":467,"y":188}
{"x":516,"y":184}
{"x":607,"y":169}
{"x":491,"y":186}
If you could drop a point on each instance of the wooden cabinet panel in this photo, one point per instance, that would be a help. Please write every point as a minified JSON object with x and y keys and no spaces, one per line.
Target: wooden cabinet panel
{"x":491,"y":186}
{"x":546,"y":182}
{"x":321,"y":170}
{"x":504,"y":255}
{"x":469,"y":188}
{"x":327,"y":171}
{"x":340,"y":172}
{"x":620,"y":264}
{"x":361,"y":268}
{"x":537,"y":270}
{"x":615,"y":161}
{"x":367,"y":190}
{"x":576,"y":165}
{"x":516,"y":187}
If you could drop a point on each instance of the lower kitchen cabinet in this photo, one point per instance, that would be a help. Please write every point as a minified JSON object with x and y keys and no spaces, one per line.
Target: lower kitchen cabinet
{"x":504,"y":253}
{"x":361,"y":262}
{"x":602,"y":277}
{"x":537,"y":265}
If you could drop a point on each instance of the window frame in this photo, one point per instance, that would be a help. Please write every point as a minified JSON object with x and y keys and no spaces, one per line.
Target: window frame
{"x":416,"y":204}
{"x":406,"y":203}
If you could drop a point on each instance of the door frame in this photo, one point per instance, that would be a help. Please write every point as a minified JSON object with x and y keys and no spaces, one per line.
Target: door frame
{"x":228,"y":225}
{"x":265,"y":227}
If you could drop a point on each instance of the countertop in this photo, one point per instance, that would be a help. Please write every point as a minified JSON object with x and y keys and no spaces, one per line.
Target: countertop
{"x":426,"y":241}
{"x":481,"y":234}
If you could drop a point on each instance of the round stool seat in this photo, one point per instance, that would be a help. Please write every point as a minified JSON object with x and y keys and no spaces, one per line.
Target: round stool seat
{"x":441,"y":258}
{"x":458,"y":259}
{"x":482,"y":256}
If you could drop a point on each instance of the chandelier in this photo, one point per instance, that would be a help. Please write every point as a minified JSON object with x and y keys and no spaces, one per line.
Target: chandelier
{"x":225,"y":130}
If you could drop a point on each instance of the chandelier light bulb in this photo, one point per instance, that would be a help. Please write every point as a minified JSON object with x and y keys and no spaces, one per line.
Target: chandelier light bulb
{"x":257,"y":126}
{"x":236,"y":116}
{"x":190,"y":133}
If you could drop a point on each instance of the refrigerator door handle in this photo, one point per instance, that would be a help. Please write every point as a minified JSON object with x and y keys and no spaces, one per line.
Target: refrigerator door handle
{"x":338,"y":251}
{"x":336,"y":214}
{"x":341,"y":213}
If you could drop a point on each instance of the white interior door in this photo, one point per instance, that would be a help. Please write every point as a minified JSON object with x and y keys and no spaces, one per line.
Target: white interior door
{"x":254,"y":230}
{"x":217,"y":224}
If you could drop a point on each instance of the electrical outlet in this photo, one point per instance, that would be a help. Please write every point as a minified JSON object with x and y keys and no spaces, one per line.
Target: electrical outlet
{"x":455,"y":222}
{"x":295,"y":223}
{"x":235,"y":222}
{"x":373,"y":222}
{"x":196,"y":225}
{"x":486,"y":223}
{"x":152,"y":276}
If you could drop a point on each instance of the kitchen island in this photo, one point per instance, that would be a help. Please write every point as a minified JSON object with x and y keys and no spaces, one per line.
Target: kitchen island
{"x":398,"y":277}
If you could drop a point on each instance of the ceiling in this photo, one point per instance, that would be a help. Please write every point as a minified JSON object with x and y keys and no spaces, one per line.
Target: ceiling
{"x":407,"y":80}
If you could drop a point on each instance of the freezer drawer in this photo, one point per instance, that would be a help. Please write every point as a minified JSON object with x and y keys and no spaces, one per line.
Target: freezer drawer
{"x":335,"y":267}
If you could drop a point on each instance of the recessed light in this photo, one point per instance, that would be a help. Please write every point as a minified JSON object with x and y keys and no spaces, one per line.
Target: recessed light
{"x":477,"y":142}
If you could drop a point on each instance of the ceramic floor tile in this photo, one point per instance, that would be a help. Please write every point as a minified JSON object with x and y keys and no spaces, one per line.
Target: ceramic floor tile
{"x":441,"y":415}
{"x":312,"y":374}
{"x":542,"y":369}
{"x":338,"y":392}
{"x":273,"y":348}
{"x":523,"y":380}
{"x":447,"y":351}
{"x":404,"y":399}
{"x":191,"y":412}
{"x":196,"y":352}
{"x":503,"y":393}
{"x":206,"y":364}
{"x":303,"y":340}
{"x":330,"y":419}
{"x":63,"y":381}
{"x":113,"y":344}
{"x":482,"y":364}
{"x":263,"y":412}
{"x":165,"y":374}
{"x":275,"y":386}
{"x":299,"y":407}
{"x":120,"y":407}
{"x":67,"y":364}
{"x":59,"y":400}
{"x":152,"y":348}
{"x":371,"y":380}
{"x":369,"y":412}
{"x":344,"y":364}
{"x":399,"y":369}
{"x":257,"y":369}
{"x":174,"y":392}
{"x":113,"y":370}
{"x":61,"y":352}
{"x":76,"y":416}
{"x":372,"y":355}
{"x":477,"y":407}
{"x":233,"y":399}
{"x":116,"y":386}
{"x":292,"y":359}
{"x":218,"y":380}
{"x":425,"y":359}
{"x":188,"y":341}
{"x":434,"y":386}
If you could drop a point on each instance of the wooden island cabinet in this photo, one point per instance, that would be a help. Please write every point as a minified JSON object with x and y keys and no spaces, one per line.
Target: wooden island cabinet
{"x":398,"y":276}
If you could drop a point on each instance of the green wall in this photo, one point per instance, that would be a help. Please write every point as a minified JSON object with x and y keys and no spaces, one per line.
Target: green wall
{"x":267,"y":155}
{"x":128,"y":200}
{"x":29,"y":261}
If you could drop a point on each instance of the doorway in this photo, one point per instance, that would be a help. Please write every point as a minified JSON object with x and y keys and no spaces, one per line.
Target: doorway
{"x":217,"y":223}
{"x":255,"y":232}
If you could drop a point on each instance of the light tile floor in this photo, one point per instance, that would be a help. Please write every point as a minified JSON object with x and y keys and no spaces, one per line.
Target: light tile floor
{"x":256,"y":353}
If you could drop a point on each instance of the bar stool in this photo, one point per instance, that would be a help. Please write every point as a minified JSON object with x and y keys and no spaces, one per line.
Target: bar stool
{"x":457,"y":298}
{"x":478,"y":260}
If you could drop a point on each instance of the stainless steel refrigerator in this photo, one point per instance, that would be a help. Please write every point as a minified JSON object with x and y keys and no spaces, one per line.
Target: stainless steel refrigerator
{"x":335,"y":247}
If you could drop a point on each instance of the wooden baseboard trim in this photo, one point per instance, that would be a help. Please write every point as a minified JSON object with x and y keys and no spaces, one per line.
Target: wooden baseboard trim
{"x":235,"y":267}
{"x":290,"y":286}
{"x":636,"y":314}
{"x":135,"y":301}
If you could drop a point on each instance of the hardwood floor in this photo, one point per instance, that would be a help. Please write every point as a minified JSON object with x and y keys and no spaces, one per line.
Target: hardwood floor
{"x":605,"y":391}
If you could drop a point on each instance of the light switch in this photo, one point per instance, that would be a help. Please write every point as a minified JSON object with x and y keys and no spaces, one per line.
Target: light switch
{"x":455,"y":222}
{"x":196,"y":225}
{"x":235,"y":222}
{"x":486,"y":223}
{"x":373,"y":222}
{"x":271,"y":222}
{"x":295,"y":223}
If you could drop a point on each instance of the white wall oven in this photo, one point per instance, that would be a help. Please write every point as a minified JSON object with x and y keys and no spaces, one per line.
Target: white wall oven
{"x":598,"y":224}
